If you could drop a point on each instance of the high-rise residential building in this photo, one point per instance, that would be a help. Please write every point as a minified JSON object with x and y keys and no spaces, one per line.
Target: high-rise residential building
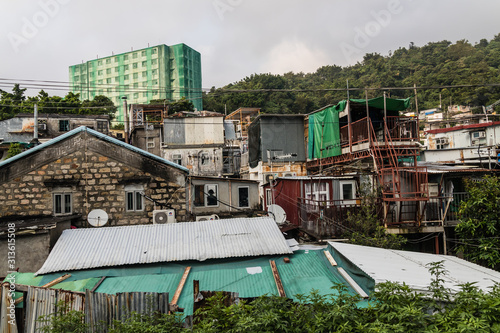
{"x":157,"y":72}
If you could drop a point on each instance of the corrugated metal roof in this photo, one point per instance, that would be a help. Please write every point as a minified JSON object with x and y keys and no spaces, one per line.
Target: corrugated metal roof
{"x":98,"y":135}
{"x":113,"y":246}
{"x":250,"y":277}
{"x":410,"y":267}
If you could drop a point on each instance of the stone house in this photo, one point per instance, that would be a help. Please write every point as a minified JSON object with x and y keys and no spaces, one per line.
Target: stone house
{"x":83,"y":170}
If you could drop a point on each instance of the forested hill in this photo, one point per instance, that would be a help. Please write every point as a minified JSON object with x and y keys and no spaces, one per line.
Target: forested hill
{"x":435,"y":64}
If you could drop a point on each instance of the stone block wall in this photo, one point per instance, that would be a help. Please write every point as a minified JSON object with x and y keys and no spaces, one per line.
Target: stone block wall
{"x":96,"y":181}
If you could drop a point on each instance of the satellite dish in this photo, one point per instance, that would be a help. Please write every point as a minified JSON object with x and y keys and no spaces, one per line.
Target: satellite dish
{"x":97,"y":218}
{"x":277,"y":213}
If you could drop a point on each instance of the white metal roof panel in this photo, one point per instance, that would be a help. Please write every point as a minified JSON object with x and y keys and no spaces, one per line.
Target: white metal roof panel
{"x":142,"y":244}
{"x":410,"y":267}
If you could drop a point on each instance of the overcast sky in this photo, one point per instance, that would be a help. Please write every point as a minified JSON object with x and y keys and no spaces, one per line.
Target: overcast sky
{"x":236,"y":38}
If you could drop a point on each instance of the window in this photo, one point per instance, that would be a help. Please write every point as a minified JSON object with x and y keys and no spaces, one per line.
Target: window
{"x":125,"y":57}
{"x":206,"y":195}
{"x":204,"y":157}
{"x":144,"y":63}
{"x":133,"y":198}
{"x":348,"y":191}
{"x":442,"y":143}
{"x":108,"y":81}
{"x":108,"y":71}
{"x":108,"y":61}
{"x":134,"y":55}
{"x":125,"y":77}
{"x":136,"y":85}
{"x":126,"y":67}
{"x":154,"y":51}
{"x":177,"y":158}
{"x":63,"y":202}
{"x":269,"y":197}
{"x":99,"y":63}
{"x":102,"y":126}
{"x":151,"y":143}
{"x":63,"y":125}
{"x":144,"y":74}
{"x":134,"y":65}
{"x":317,"y":194}
{"x":117,"y":69}
{"x":135,"y":75}
{"x":243,"y":197}
{"x":143,"y":53}
{"x":154,"y":61}
{"x":136,"y":95}
{"x":99,"y":72}
{"x":155,"y":72}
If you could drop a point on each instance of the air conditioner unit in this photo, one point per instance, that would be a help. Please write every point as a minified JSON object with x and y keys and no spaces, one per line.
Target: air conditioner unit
{"x":289,"y":174}
{"x":432,"y":187}
{"x":207,"y":218}
{"x":238,"y":128}
{"x":482,"y":134}
{"x":164,"y":216}
{"x":268,"y":178}
{"x":42,"y":127}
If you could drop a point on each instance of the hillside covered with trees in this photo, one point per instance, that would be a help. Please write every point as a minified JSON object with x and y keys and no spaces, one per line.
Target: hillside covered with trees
{"x":17,"y":102}
{"x":436,"y":64}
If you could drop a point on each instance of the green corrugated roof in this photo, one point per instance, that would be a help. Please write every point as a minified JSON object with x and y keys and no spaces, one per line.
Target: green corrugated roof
{"x":251,"y":277}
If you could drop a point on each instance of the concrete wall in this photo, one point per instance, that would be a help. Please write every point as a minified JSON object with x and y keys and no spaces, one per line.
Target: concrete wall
{"x":140,"y":138}
{"x":228,"y":194}
{"x":31,"y":251}
{"x":194,"y":131}
{"x":193,"y":159}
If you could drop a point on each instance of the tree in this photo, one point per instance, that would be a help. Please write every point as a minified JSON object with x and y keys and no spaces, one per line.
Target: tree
{"x":14,"y":149}
{"x":182,"y":104}
{"x":479,"y":225}
{"x":364,"y":223}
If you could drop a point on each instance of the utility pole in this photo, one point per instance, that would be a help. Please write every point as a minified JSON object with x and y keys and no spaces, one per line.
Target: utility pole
{"x":125,"y":114}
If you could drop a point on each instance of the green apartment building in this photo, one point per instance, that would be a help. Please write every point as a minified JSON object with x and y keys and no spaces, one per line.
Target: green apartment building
{"x":158,"y":72}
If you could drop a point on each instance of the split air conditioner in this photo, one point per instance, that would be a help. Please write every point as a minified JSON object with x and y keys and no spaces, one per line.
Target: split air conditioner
{"x":207,"y":217}
{"x":164,"y":216}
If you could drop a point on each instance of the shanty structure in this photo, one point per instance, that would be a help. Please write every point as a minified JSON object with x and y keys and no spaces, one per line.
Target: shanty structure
{"x":373,"y":130}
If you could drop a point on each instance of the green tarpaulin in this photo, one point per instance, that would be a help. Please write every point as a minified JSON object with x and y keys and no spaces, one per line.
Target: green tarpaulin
{"x":324,"y":134}
{"x":324,"y":128}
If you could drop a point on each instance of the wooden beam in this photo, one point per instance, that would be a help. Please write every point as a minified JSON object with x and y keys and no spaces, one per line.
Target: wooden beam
{"x":277,"y":279}
{"x":98,"y":284}
{"x":48,"y":285}
{"x":328,"y":256}
{"x":353,"y":283}
{"x":180,"y":286}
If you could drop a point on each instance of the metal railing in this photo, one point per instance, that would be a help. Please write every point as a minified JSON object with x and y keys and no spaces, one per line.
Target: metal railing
{"x":325,"y":218}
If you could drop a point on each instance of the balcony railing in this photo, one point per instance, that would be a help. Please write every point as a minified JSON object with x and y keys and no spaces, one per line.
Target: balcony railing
{"x":326,"y":218}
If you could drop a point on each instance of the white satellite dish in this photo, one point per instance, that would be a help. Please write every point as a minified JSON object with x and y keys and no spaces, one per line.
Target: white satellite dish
{"x":97,"y":218}
{"x":277,"y":213}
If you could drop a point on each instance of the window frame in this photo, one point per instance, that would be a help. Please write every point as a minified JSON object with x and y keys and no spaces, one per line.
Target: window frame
{"x":65,"y":207}
{"x":248,"y":196}
{"x":347,"y":201}
{"x":204,"y":195}
{"x":65,"y":127}
{"x":135,"y":193}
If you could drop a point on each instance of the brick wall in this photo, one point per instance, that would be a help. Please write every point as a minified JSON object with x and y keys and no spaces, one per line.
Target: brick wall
{"x":96,"y":181}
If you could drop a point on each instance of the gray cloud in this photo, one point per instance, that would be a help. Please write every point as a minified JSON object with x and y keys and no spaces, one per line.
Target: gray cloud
{"x":236,"y":37}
